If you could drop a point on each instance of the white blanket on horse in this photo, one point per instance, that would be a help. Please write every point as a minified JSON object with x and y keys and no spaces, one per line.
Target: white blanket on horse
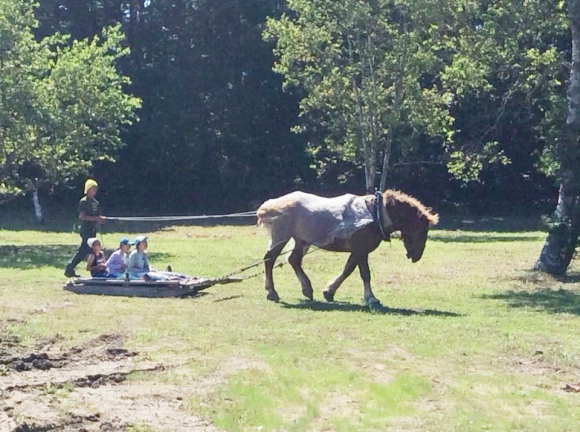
{"x":318,"y":220}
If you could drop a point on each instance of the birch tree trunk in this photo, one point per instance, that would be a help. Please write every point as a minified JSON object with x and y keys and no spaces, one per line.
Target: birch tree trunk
{"x":386,"y":160}
{"x":562,"y":240}
{"x":36,"y":202}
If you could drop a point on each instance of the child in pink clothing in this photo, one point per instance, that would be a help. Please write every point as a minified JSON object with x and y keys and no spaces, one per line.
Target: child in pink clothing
{"x":117,"y":262}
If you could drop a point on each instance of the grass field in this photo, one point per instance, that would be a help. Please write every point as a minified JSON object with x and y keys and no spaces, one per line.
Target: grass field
{"x":469,"y":339}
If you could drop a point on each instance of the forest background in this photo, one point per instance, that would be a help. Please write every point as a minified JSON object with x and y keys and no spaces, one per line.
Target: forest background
{"x":217,"y":129}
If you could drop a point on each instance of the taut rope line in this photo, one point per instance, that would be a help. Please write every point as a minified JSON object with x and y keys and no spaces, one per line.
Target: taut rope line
{"x":178,"y":218}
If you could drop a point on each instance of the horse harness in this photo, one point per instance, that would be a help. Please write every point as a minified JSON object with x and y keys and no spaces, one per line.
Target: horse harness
{"x":379,"y":215}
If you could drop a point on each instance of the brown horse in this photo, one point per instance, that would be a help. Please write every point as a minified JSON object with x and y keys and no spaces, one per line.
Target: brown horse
{"x":309,"y":219}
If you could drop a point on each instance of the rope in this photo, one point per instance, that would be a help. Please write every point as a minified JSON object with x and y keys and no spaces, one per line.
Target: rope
{"x":312,"y":248}
{"x":280,"y":264}
{"x":178,"y":218}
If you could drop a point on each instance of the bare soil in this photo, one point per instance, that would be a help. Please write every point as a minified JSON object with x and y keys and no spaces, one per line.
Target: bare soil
{"x":85,"y":388}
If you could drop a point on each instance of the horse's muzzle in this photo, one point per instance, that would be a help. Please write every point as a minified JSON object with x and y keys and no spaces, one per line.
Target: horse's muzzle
{"x":413,"y":260}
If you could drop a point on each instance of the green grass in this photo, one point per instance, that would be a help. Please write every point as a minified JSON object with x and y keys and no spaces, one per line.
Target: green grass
{"x":470,"y":339}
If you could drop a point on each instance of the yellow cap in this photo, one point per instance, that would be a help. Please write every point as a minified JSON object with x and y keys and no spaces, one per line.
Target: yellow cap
{"x":89,"y":184}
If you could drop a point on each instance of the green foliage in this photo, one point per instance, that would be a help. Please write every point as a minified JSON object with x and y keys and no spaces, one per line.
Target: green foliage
{"x":380,"y":72}
{"x":368,"y":70}
{"x":508,"y":55}
{"x":215,"y":118}
{"x":61,"y":101}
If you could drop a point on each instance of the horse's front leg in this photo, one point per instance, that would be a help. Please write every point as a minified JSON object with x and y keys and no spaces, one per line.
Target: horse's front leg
{"x":269,"y":261}
{"x":295,"y":260}
{"x":332,"y":286}
{"x":365,"y":274}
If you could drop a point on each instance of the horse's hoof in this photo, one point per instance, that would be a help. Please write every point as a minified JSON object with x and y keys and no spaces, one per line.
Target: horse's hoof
{"x":309,"y":294}
{"x":373,"y":302}
{"x":328,"y":295}
{"x":273,"y":296}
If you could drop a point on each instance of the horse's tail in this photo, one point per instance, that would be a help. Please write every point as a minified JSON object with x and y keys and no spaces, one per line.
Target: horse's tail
{"x":267,"y":216}
{"x":273,"y":210}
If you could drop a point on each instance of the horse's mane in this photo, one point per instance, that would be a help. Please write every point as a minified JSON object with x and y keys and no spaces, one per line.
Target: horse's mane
{"x":426,"y":212}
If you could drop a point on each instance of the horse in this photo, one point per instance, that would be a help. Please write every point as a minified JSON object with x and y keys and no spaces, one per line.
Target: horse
{"x":348,"y":223}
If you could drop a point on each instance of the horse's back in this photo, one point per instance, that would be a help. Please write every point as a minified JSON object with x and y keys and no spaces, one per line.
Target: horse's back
{"x":311,"y":218}
{"x":300,"y":204}
{"x":275,"y":208}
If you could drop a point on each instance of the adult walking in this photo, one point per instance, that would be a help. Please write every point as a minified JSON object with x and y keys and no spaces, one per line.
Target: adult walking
{"x":90,"y":216}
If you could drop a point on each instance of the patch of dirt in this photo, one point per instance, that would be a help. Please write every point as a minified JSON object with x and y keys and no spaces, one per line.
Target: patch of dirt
{"x":536,"y":367}
{"x":376,"y":364}
{"x":571,"y":388}
{"x":51,"y":307}
{"x":85,"y":388}
{"x":335,"y":405}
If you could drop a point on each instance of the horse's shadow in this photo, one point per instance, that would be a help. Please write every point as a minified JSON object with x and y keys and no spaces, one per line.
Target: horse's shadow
{"x":350,"y":307}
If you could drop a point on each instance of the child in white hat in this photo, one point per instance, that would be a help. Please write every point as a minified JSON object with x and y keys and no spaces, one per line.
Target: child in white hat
{"x":96,"y":263}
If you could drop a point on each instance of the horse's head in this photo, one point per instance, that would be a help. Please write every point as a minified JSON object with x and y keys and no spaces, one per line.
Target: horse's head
{"x":413,"y":220}
{"x":414,"y":235}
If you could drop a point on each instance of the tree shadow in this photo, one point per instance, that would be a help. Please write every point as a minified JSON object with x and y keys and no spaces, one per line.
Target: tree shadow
{"x":27,"y":257}
{"x":483,"y":238}
{"x":318,"y":306}
{"x":572,"y":278}
{"x":502,"y":224}
{"x":537,"y":277}
{"x":543,"y":299}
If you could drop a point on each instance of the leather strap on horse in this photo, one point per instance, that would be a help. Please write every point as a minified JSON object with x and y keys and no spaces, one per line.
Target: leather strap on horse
{"x":379,"y":214}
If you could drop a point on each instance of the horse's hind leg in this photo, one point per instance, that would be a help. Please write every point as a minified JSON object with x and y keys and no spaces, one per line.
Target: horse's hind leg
{"x":332,"y":286}
{"x":269,"y":261}
{"x":295,"y":260}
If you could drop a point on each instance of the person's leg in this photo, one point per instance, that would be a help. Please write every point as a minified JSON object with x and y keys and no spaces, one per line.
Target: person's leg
{"x":79,"y":256}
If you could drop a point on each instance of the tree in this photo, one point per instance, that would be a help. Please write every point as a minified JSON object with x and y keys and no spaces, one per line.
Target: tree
{"x":514,"y":53}
{"x":562,"y":240}
{"x":506,"y":58}
{"x":369,"y":73}
{"x":61,"y":102}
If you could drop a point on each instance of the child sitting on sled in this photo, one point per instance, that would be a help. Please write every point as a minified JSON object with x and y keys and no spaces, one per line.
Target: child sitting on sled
{"x":96,"y":262}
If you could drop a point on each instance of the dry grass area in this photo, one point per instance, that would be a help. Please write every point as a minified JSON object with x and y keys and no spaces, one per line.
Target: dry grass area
{"x":468,"y":339}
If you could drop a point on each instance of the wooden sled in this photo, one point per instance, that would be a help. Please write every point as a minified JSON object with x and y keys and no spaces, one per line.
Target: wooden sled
{"x":142,"y":288}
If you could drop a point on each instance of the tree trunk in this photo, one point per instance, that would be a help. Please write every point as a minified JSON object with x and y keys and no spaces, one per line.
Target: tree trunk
{"x":561,"y":243}
{"x":37,"y":207}
{"x":370,"y":167}
{"x":562,"y":240}
{"x":386,"y":161}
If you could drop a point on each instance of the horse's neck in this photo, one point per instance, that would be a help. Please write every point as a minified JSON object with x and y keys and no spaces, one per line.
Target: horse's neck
{"x":398,"y":212}
{"x":387,"y":218}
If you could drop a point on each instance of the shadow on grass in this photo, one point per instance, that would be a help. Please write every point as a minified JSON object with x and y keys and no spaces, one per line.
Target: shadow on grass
{"x":481,"y":238}
{"x":503,"y":224}
{"x":36,"y":256}
{"x":536,"y":277}
{"x":544,"y":299}
{"x":227,"y":298}
{"x":349,"y":307}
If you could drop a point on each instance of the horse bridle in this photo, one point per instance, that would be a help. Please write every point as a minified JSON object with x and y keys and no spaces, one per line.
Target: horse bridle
{"x":379,"y":215}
